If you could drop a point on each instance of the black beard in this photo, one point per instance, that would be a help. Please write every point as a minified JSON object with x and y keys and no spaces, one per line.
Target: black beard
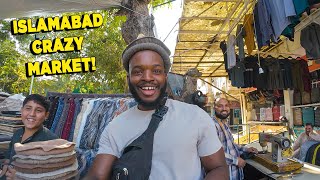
{"x":149,"y":105}
{"x":220,"y":116}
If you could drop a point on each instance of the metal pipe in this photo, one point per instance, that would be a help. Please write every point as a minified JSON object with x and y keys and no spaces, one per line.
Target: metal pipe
{"x":219,"y":89}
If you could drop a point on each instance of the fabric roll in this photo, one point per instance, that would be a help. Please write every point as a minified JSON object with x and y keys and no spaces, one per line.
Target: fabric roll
{"x":282,"y":110}
{"x":308,"y":115}
{"x":297,"y":117}
{"x":263,"y":114}
{"x":276,"y":113}
{"x":269,"y":115}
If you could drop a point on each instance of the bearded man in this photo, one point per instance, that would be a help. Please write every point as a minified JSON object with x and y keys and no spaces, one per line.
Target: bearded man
{"x":185,"y":142}
{"x":232,"y":151}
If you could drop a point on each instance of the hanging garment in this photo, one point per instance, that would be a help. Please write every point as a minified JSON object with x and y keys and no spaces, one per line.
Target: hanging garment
{"x":296,"y":72}
{"x":84,"y":119}
{"x":300,"y":6}
{"x":310,"y":40}
{"x":236,"y":75}
{"x":84,"y":106}
{"x":231,"y":51}
{"x":67,"y":125}
{"x":63,"y":118}
{"x":78,"y":103}
{"x":263,"y":17}
{"x":261,"y":78}
{"x":281,"y":11}
{"x":286,"y":73}
{"x":223,"y":47}
{"x":306,"y":78}
{"x":57,"y":115}
{"x":52,"y":111}
{"x":249,"y":31}
{"x":305,"y":97}
{"x":239,"y":41}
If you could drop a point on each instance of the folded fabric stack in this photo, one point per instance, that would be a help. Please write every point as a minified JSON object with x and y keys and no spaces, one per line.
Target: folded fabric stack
{"x":10,"y":121}
{"x":53,"y":159}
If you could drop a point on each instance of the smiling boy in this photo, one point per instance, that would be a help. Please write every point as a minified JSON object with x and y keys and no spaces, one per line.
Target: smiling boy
{"x":34,"y":111}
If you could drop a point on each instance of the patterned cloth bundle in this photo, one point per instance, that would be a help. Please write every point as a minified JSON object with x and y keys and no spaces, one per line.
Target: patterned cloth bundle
{"x":53,"y":159}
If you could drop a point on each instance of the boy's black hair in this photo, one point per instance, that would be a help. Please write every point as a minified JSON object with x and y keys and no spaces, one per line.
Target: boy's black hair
{"x":39,"y":99}
{"x":308,"y":124}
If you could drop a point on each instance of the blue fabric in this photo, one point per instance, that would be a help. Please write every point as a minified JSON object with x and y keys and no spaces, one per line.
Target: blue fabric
{"x":300,"y":6}
{"x":231,"y":150}
{"x":63,"y":118}
{"x":280,"y":11}
{"x":304,"y":149}
{"x":308,"y":115}
{"x":265,"y":23}
{"x":57,"y":115}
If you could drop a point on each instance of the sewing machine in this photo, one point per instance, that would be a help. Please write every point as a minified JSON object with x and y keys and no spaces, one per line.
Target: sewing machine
{"x":280,"y":146}
{"x":277,"y":160}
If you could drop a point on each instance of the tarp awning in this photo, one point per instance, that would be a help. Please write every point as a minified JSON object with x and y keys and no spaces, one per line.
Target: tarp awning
{"x":28,"y":8}
{"x":203,"y":25}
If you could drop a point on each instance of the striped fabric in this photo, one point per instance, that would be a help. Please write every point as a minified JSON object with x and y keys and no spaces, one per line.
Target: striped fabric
{"x":231,"y":150}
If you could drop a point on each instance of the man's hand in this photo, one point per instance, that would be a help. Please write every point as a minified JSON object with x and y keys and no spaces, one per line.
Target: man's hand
{"x":241,"y":162}
{"x":252,"y":150}
{"x":11,"y":173}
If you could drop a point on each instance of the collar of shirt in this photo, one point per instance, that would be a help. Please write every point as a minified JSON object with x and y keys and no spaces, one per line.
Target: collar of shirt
{"x":31,"y":137}
{"x":224,"y":121}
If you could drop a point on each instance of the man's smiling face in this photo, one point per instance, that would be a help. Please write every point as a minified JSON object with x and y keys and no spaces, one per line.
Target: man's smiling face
{"x":147,"y":79}
{"x":222,"y":108}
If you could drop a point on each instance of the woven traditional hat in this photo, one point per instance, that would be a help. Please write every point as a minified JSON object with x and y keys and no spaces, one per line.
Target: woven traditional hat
{"x":146,"y":43}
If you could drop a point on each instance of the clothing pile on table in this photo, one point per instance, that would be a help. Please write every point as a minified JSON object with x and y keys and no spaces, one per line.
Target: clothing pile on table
{"x":53,"y":159}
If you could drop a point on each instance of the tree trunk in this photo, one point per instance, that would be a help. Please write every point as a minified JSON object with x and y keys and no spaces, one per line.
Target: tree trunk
{"x":138,"y":19}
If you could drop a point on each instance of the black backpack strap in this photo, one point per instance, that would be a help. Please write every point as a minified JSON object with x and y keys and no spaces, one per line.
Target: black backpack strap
{"x":156,"y":118}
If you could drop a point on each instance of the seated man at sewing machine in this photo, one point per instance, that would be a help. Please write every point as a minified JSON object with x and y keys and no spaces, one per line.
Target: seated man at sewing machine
{"x":308,"y":135}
